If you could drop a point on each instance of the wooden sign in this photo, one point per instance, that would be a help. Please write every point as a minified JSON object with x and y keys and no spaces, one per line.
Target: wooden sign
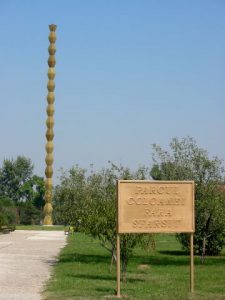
{"x":155,"y":206}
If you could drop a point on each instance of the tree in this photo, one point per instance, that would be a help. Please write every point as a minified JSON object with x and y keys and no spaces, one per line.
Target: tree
{"x":88,"y":202}
{"x":22,"y":188}
{"x":14,"y":174}
{"x":186,"y":161}
{"x":70,"y":198}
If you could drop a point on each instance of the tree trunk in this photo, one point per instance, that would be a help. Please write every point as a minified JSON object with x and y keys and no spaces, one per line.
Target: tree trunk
{"x":113,"y":259}
{"x":203,"y":250}
{"x":124,"y":270}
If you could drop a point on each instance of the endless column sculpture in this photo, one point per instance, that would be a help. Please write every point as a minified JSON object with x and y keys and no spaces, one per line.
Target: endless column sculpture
{"x":50,"y":124}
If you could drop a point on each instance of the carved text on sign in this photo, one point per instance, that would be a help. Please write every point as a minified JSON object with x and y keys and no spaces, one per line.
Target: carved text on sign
{"x":155,"y":206}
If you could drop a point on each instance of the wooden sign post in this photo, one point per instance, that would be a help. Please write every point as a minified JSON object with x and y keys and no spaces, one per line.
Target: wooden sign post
{"x":118,"y":264}
{"x":155,"y":207}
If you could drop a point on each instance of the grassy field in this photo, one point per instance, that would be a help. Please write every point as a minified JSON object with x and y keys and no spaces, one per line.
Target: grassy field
{"x":83,"y":273}
{"x":39,"y":227}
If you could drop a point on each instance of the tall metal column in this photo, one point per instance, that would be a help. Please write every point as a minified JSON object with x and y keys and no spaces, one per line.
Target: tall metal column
{"x":50,"y":124}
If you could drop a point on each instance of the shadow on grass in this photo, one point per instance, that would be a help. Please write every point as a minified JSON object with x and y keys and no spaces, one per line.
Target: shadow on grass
{"x":174,"y":252}
{"x":171,"y":257}
{"x":84,"y":258}
{"x":179,"y":259}
{"x":103,"y":277}
{"x":93,"y":277}
{"x":209,"y":260}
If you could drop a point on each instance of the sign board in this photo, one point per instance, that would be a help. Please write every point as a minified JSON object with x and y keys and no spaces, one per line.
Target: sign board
{"x":155,"y":206}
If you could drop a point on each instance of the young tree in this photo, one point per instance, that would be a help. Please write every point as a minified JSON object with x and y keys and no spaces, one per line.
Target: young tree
{"x":88,"y":202}
{"x":186,"y":161}
{"x":70,"y":198}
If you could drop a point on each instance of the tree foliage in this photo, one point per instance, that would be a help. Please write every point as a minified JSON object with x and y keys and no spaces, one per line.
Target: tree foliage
{"x":7,"y":212}
{"x":14,"y":174}
{"x":186,"y":161}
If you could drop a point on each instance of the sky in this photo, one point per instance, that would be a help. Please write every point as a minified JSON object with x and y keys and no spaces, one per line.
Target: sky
{"x":129,"y":73}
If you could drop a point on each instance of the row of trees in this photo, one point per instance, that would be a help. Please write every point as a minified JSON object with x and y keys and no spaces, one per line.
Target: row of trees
{"x":87,"y":199}
{"x":21,"y":192}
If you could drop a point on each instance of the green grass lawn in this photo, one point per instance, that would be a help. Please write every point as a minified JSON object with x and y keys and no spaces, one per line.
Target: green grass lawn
{"x":39,"y":227}
{"x":83,"y":273}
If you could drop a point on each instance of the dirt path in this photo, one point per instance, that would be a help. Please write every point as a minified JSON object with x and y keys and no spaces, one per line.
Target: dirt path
{"x":26,"y":258}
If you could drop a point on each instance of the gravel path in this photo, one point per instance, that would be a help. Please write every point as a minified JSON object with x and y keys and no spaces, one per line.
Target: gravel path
{"x":26,"y":259}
